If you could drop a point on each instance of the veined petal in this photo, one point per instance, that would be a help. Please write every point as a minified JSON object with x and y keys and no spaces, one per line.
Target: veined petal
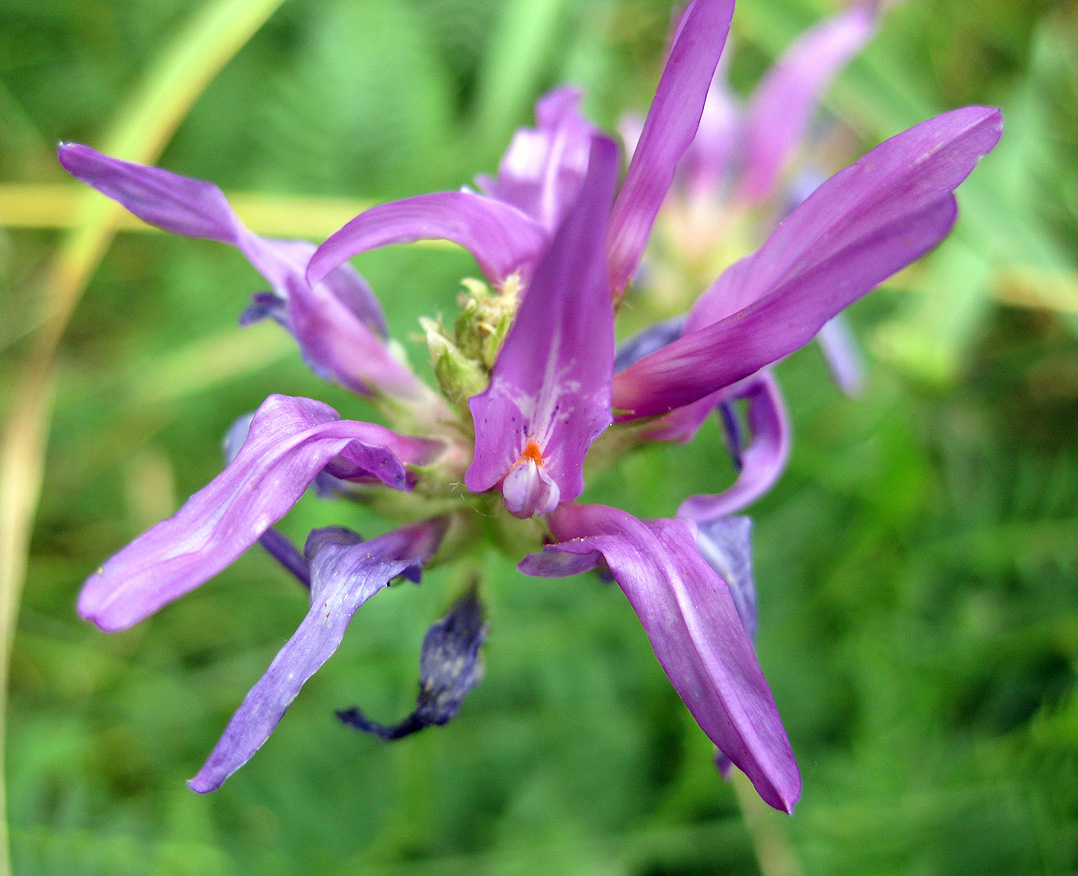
{"x":337,"y":315}
{"x":669,"y":128}
{"x":549,"y":394}
{"x":693,"y":625}
{"x":503,"y":239}
{"x":290,"y":441}
{"x":543,"y":167}
{"x":781,"y":106}
{"x":762,"y":461}
{"x":854,"y":231}
{"x":345,"y":573}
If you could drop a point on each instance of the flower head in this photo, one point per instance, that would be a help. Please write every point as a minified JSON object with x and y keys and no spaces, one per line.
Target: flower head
{"x":534,"y":387}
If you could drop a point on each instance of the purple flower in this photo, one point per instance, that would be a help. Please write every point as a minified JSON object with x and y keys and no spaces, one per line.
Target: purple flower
{"x":532,"y":370}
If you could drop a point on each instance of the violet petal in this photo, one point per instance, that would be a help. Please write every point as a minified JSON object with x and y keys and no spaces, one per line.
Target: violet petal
{"x":857,"y":229}
{"x":503,"y":239}
{"x":345,"y":573}
{"x":669,"y":128}
{"x":762,"y":461}
{"x":549,"y":395}
{"x":693,"y":625}
{"x":290,"y":441}
{"x":782,"y":104}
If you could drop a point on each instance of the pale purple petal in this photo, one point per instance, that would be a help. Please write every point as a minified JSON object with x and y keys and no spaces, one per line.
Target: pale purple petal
{"x":345,"y":573}
{"x":338,"y":323}
{"x":503,"y":239}
{"x":290,"y":441}
{"x":783,"y":103}
{"x":549,"y":395}
{"x":762,"y":461}
{"x":670,"y":126}
{"x":693,"y":625}
{"x":843,"y":358}
{"x":707,"y":160}
{"x":543,"y":167}
{"x":857,"y":229}
{"x":726,"y":545}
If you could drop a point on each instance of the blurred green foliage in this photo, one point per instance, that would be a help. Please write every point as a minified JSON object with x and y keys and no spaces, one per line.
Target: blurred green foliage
{"x":916,"y":566}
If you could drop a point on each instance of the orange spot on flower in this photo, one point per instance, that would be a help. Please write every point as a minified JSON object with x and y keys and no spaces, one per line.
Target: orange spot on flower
{"x":532,"y":451}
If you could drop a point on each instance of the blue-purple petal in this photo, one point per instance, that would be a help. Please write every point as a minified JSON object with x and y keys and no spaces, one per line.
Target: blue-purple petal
{"x":345,"y":573}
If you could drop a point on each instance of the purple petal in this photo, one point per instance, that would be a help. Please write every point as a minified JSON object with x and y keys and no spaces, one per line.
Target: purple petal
{"x":783,"y":103}
{"x":854,"y":231}
{"x":345,"y":573}
{"x":543,"y":168}
{"x":761,"y":462}
{"x":669,"y":128}
{"x":549,"y":395}
{"x":708,"y":158}
{"x":843,"y":358}
{"x":726,"y":545}
{"x":503,"y":239}
{"x":338,"y":323}
{"x":691,"y":620}
{"x":290,"y":441}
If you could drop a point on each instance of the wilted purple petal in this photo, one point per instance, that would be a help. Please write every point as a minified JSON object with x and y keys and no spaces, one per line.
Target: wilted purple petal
{"x":449,"y":667}
{"x":762,"y":461}
{"x":338,"y":323}
{"x":503,"y":239}
{"x":857,"y":229}
{"x":549,"y":395}
{"x":290,"y":441}
{"x":783,"y":103}
{"x":542,"y":169}
{"x":691,"y":620}
{"x":345,"y":573}
{"x":669,"y":127}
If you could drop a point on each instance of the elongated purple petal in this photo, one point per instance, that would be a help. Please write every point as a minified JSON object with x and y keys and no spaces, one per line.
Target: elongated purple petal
{"x":669,"y":128}
{"x":543,"y":167}
{"x":854,"y":231}
{"x":503,"y":239}
{"x":338,"y":323}
{"x":761,"y":462}
{"x":345,"y":573}
{"x":843,"y":357}
{"x":782,"y":105}
{"x":549,"y":395}
{"x":691,"y":620}
{"x":290,"y":441}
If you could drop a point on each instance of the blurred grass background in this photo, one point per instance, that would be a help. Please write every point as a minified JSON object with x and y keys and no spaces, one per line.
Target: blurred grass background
{"x":916,"y":566}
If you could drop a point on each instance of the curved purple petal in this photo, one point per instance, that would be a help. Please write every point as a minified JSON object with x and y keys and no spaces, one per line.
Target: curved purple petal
{"x":843,"y":358}
{"x":543,"y":167}
{"x":762,"y":461}
{"x":781,"y":106}
{"x":669,"y":128}
{"x":290,"y":441}
{"x":726,"y":545}
{"x":338,"y":323}
{"x":854,"y":231}
{"x":345,"y":573}
{"x":549,"y":394}
{"x":693,"y":625}
{"x":503,"y":239}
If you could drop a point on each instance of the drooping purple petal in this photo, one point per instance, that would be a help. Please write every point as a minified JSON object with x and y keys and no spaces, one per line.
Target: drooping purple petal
{"x":854,"y":231}
{"x":670,"y":126}
{"x":693,"y":625}
{"x":549,"y":394}
{"x":290,"y":441}
{"x":345,"y":573}
{"x":782,"y":105}
{"x":503,"y":239}
{"x":543,"y":167}
{"x":338,"y":323}
{"x":762,"y":461}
